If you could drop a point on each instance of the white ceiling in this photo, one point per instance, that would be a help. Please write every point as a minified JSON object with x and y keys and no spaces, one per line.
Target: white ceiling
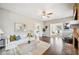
{"x":33,"y":10}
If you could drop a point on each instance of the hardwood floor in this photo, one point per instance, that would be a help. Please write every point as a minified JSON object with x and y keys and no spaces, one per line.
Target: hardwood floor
{"x":58,"y":47}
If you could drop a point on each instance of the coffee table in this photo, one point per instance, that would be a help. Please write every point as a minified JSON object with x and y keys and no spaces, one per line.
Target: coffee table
{"x":35,"y":47}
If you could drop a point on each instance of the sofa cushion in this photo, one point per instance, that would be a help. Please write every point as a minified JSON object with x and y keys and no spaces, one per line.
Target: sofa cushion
{"x":18,"y":37}
{"x":12,"y":38}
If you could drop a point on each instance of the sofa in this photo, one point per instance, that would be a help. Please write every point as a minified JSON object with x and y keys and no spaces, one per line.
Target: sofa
{"x":13,"y":44}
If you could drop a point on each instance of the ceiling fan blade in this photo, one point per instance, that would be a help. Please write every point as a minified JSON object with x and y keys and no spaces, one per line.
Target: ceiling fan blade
{"x":49,"y":13}
{"x":48,"y":16}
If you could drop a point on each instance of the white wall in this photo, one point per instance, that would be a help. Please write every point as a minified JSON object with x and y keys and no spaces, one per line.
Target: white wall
{"x":58,"y":20}
{"x":9,"y":18}
{"x":0,"y":20}
{"x":47,"y":23}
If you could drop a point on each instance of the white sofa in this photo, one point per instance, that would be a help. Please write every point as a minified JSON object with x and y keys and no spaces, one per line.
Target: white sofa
{"x":13,"y":44}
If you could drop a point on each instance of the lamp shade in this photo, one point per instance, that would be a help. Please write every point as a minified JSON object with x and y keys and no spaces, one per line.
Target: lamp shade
{"x":1,"y":32}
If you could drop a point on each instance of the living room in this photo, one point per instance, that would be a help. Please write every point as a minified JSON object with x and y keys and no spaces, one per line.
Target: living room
{"x":36,"y":26}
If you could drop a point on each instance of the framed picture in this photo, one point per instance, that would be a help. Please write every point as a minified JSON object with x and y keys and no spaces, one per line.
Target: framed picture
{"x":19,"y":27}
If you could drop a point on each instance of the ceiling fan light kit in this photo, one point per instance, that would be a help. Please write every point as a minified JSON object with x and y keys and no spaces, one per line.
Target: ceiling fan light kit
{"x":46,"y":14}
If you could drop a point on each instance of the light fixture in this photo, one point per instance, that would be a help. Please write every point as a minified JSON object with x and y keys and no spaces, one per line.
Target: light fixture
{"x":44,"y":17}
{"x":46,"y":14}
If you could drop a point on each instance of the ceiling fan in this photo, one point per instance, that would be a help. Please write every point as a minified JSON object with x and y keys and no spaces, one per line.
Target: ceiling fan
{"x":46,"y":14}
